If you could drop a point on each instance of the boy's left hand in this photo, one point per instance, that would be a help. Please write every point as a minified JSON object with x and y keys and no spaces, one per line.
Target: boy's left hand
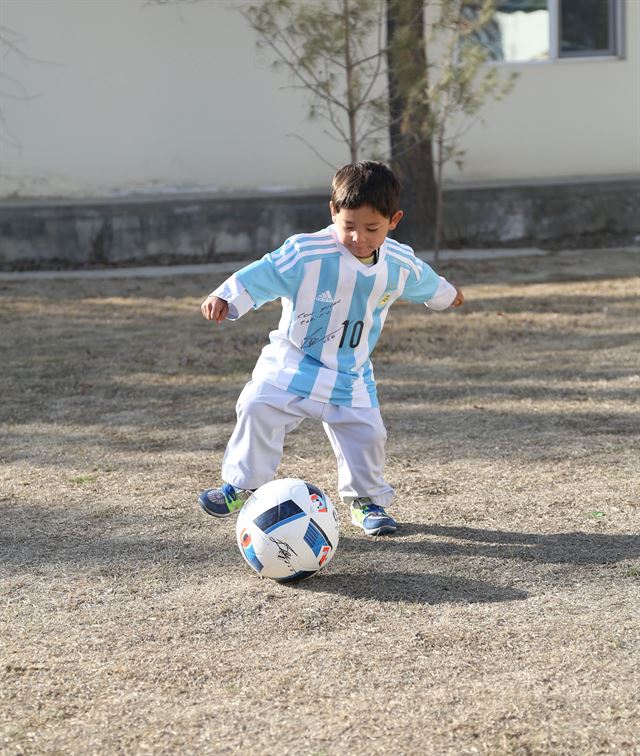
{"x":459,"y":297}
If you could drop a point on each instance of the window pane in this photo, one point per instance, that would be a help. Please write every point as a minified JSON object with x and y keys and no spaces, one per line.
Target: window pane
{"x":586,"y":27}
{"x":519,"y":30}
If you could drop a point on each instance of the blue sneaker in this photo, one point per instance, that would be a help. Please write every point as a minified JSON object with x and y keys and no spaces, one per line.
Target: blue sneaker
{"x":221,"y":502}
{"x":372,"y":518}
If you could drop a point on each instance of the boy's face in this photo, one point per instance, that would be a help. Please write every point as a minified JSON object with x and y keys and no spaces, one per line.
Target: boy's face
{"x":362,"y":229}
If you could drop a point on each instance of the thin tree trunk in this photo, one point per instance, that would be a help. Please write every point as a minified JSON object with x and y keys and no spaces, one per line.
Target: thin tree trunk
{"x":437,"y":242}
{"x":353,"y":134}
{"x":411,"y":147}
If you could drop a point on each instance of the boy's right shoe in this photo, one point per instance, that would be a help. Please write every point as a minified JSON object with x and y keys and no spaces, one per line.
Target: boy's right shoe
{"x":372,"y":518}
{"x":221,"y":502}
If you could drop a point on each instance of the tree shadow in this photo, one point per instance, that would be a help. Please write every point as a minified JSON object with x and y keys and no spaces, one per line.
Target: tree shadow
{"x":411,"y":587}
{"x":118,"y":543}
{"x":36,"y":538}
{"x":550,"y":548}
{"x":432,"y":588}
{"x":570,"y":304}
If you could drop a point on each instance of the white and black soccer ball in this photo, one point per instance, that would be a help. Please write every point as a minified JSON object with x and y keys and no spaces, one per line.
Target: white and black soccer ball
{"x":288,"y":530}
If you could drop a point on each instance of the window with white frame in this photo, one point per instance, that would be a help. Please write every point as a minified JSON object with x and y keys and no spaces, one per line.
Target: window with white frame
{"x":543,"y":30}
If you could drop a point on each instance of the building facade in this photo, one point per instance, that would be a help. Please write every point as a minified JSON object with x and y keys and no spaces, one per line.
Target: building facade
{"x":152,"y":131}
{"x":115,"y":96}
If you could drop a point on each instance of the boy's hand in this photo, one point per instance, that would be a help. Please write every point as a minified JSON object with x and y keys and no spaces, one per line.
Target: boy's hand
{"x":214,"y":308}
{"x":459,"y":297}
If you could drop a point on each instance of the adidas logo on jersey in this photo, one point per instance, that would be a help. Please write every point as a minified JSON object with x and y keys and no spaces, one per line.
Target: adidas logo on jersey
{"x":324,"y":297}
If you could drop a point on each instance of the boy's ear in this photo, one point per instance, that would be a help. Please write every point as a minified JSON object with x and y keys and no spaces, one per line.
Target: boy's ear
{"x":395,"y":219}
{"x":332,"y":210}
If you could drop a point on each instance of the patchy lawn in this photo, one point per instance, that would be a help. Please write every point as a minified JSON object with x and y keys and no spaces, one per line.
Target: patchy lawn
{"x":504,"y":617}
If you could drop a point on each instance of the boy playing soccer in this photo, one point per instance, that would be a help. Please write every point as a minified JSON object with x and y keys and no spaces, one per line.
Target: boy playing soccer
{"x":336,"y":287}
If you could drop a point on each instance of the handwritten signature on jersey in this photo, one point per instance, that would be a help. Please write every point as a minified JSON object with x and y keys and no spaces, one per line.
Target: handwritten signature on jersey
{"x":314,"y":338}
{"x":304,"y":318}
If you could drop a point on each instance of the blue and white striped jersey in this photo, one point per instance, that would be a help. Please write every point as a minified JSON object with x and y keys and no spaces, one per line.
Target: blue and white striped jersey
{"x":333,"y":310}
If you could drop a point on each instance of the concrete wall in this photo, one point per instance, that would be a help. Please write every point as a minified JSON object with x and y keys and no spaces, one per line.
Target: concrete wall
{"x":41,"y":234}
{"x":123,"y":95}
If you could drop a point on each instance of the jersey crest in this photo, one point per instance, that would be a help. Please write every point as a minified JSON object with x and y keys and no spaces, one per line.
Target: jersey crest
{"x":385,"y":298}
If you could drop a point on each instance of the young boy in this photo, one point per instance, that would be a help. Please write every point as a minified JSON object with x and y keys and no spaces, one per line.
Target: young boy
{"x":336,"y":288}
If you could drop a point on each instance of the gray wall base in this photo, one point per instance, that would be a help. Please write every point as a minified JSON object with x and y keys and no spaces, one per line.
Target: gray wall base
{"x":210,"y":228}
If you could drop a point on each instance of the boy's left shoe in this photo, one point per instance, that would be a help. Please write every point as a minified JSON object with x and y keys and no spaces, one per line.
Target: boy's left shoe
{"x":221,"y":502}
{"x":372,"y":518}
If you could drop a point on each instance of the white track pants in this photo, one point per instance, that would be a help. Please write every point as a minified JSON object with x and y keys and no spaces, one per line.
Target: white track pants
{"x":267,"y":413}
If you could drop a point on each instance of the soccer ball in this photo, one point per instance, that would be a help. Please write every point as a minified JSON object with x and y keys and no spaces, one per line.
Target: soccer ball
{"x":288,"y":530}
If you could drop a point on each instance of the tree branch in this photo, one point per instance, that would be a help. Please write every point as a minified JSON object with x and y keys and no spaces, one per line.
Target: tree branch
{"x":313,"y":149}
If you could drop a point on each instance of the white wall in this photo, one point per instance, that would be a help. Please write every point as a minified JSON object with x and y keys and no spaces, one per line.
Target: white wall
{"x":127,"y":95}
{"x":130,"y":94}
{"x":566,"y":118}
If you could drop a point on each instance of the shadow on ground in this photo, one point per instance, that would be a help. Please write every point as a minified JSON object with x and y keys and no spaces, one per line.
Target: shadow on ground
{"x":411,"y":587}
{"x":549,"y":548}
{"x":33,"y":535}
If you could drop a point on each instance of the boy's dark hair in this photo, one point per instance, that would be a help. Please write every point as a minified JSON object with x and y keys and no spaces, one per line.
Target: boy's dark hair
{"x":366,"y":183}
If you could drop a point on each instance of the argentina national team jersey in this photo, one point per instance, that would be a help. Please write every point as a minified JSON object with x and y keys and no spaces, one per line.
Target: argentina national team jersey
{"x":333,"y":310}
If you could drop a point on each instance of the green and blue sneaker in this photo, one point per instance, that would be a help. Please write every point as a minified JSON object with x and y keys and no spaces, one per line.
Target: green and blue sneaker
{"x":372,"y":518}
{"x":221,"y":502}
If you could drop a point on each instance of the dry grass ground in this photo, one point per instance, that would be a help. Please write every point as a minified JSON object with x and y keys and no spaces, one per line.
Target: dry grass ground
{"x":504,"y":618}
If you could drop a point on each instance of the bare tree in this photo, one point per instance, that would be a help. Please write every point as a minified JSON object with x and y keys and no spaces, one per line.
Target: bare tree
{"x":334,"y":51}
{"x":458,"y":86}
{"x":433,"y":102}
{"x":338,"y":53}
{"x":410,"y":143}
{"x":12,"y":47}
{"x":10,"y":87}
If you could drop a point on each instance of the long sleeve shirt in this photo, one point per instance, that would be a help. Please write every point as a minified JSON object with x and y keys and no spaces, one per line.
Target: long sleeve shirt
{"x":333,"y":311}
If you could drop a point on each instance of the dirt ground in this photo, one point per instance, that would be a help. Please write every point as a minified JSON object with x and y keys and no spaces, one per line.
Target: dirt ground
{"x":504,"y":617}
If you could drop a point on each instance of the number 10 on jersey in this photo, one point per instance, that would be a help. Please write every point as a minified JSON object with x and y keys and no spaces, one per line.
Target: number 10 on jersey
{"x":355,"y":333}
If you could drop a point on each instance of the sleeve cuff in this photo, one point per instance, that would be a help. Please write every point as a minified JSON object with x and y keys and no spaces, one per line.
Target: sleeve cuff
{"x":444,"y":296}
{"x":236,"y":296}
